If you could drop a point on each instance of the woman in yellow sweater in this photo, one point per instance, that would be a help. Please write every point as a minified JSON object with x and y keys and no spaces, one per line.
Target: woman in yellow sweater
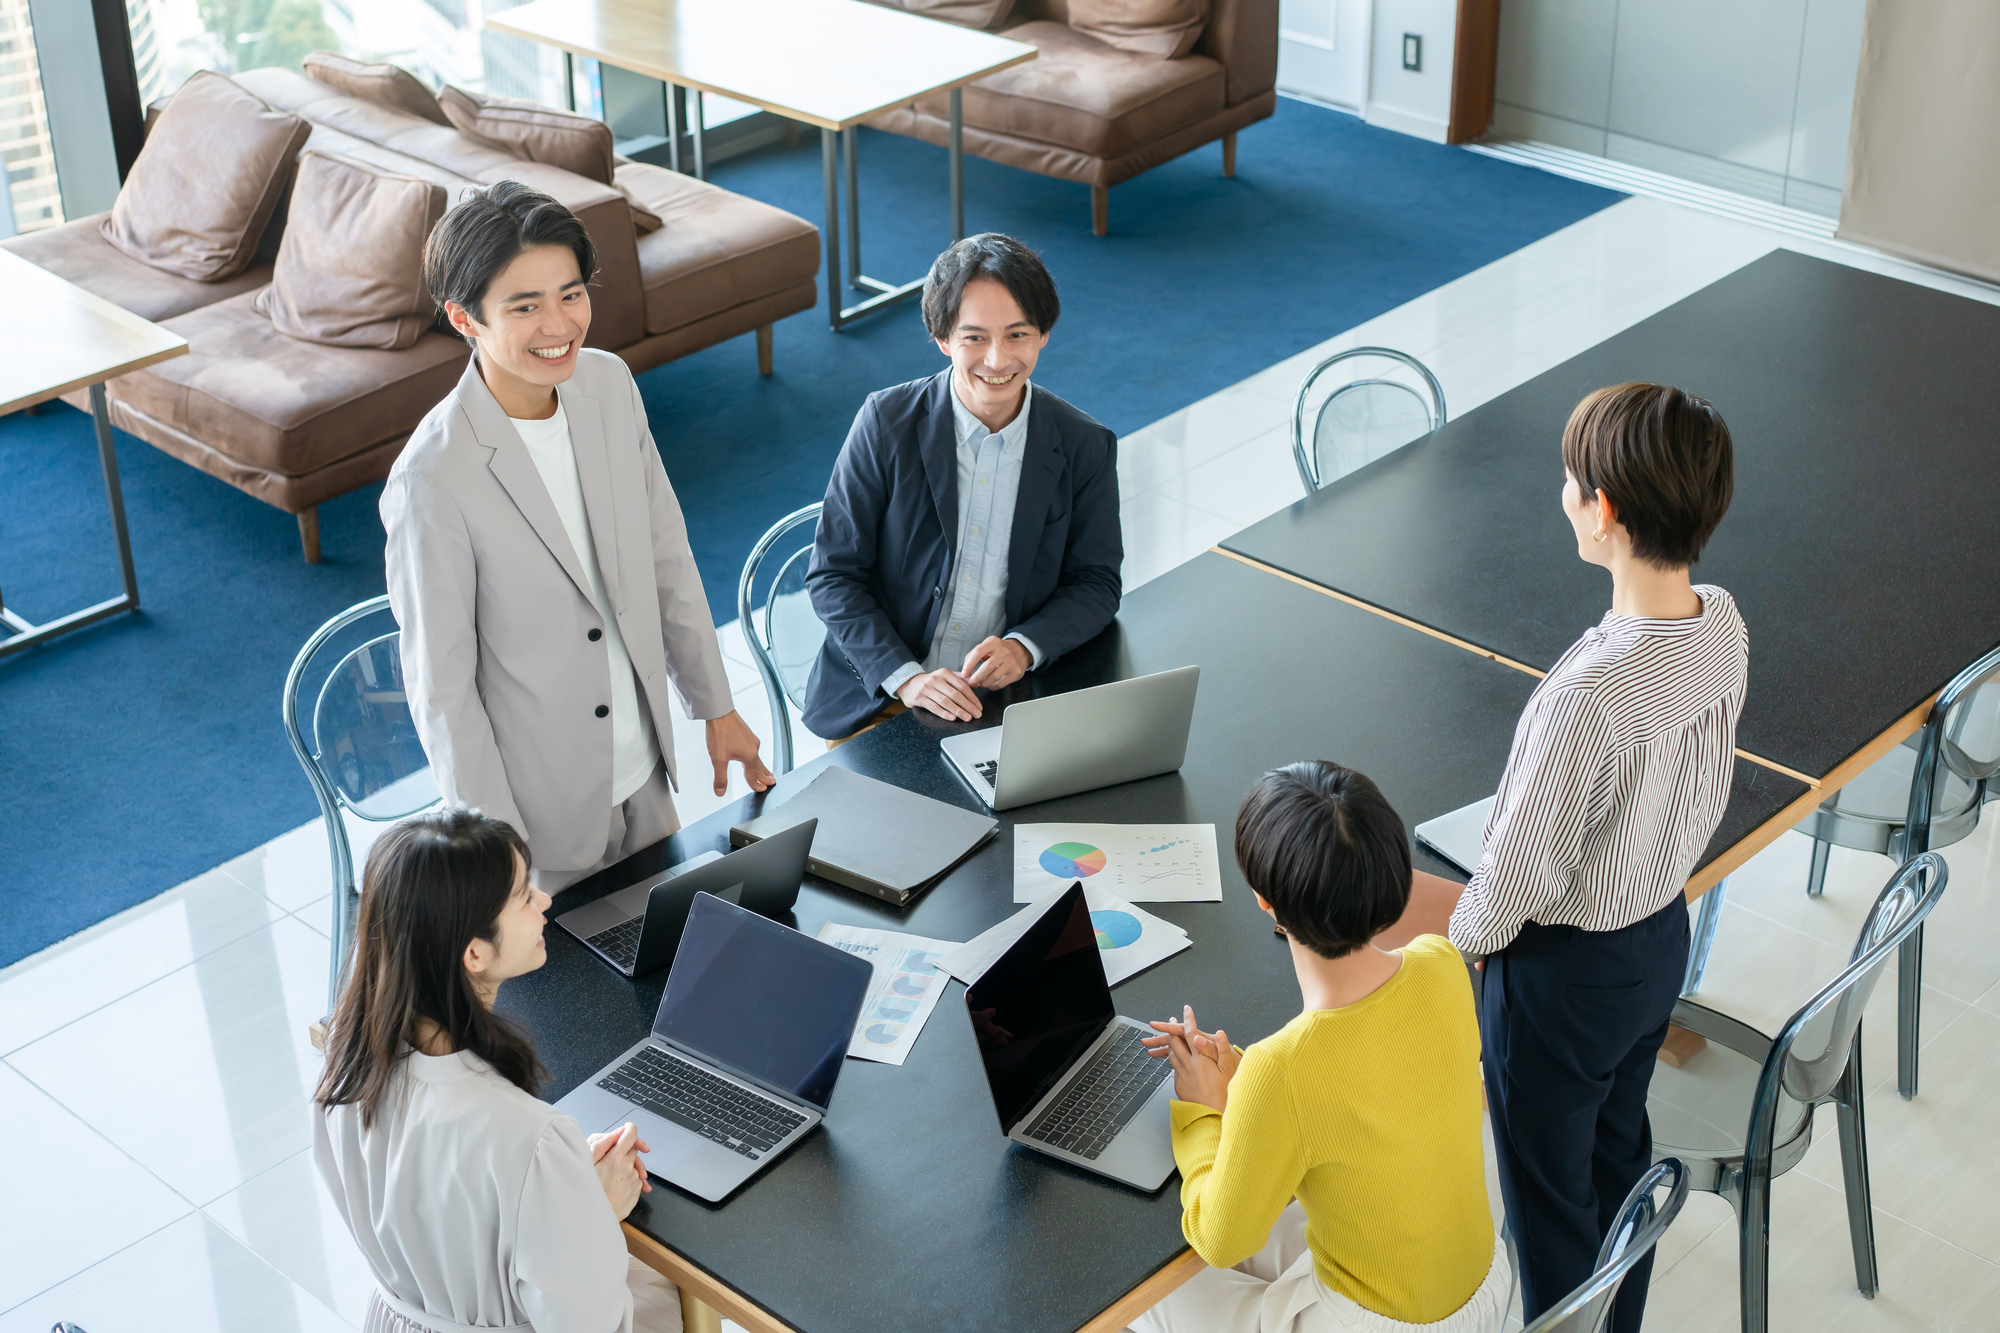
{"x":1332,"y":1174}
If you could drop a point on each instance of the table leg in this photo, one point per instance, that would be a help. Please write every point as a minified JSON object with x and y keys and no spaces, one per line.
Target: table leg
{"x":697,"y":1315}
{"x":696,"y":123}
{"x":1708,"y":914}
{"x":669,"y":96}
{"x":957,"y":151}
{"x":834,"y":285}
{"x":850,"y":144}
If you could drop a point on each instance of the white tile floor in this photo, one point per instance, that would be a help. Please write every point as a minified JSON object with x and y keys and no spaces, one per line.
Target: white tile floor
{"x":155,"y":1074}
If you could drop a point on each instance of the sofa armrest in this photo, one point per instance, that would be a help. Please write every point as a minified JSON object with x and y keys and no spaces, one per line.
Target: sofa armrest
{"x":618,"y":298}
{"x":1243,"y":36}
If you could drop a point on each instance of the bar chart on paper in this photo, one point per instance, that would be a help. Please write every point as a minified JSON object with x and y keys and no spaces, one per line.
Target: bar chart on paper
{"x":1141,"y":863}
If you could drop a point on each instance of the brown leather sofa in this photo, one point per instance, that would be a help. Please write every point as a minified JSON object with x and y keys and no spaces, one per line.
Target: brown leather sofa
{"x":294,"y":422}
{"x":1086,"y":111}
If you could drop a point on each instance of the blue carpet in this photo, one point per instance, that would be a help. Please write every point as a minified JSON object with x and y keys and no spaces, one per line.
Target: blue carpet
{"x":138,"y":753}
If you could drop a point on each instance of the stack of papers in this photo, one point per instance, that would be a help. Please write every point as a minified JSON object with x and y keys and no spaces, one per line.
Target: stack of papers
{"x":902,"y":993}
{"x":1141,"y":863}
{"x":1129,"y":939}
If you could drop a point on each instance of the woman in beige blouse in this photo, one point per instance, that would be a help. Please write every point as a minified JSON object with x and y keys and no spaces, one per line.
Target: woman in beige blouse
{"x":476,"y":1204}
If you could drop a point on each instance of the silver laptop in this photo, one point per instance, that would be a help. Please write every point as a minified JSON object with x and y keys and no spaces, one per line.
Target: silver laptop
{"x":1068,"y":1075}
{"x":637,"y":929}
{"x":1460,"y":836}
{"x":743,"y":1055}
{"x":1067,"y":743}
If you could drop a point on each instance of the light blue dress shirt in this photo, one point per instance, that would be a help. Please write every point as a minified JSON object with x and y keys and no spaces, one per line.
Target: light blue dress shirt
{"x":975,"y":600}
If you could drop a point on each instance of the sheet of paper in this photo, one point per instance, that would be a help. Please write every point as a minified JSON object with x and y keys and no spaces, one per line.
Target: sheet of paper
{"x":902,"y":993}
{"x":1130,"y":938}
{"x":1141,"y":863}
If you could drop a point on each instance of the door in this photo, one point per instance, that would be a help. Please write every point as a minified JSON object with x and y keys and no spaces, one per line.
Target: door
{"x":1323,"y":49}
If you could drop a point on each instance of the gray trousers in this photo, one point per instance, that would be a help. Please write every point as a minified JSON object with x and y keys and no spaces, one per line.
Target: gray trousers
{"x":640,"y":820}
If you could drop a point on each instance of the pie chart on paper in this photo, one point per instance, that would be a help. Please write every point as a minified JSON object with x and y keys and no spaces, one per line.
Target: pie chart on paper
{"x":1073,"y":860}
{"x":1116,"y":929}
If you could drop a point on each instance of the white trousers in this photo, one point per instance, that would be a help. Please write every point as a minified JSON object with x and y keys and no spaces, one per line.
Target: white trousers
{"x":640,"y":820}
{"x":1277,"y":1290}
{"x":656,"y":1308}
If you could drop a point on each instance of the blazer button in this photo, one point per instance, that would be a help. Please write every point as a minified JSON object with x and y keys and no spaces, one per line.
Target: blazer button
{"x":596,"y":634}
{"x":603,"y":711}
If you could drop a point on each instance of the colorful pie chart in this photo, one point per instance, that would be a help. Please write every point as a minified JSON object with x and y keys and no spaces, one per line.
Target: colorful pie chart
{"x":1115,"y":929}
{"x":1073,"y":860}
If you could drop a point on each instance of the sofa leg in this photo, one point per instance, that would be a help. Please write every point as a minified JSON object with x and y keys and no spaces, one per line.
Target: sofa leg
{"x":309,"y":533}
{"x":1100,"y":209}
{"x":1229,"y":154}
{"x":763,"y":349}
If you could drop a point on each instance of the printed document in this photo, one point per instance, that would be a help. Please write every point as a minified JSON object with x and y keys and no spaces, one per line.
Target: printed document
{"x":1141,"y":863}
{"x":902,"y":993}
{"x":1129,"y":939}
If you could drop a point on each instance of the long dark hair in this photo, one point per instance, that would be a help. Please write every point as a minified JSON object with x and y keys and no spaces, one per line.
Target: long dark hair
{"x":434,"y":883}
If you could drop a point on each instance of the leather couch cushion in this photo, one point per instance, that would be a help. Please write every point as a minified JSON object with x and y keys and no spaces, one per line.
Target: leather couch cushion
{"x":196,"y":200}
{"x":283,"y":405}
{"x":1164,"y":28}
{"x":78,"y":251}
{"x":388,"y":85}
{"x":1080,"y":94}
{"x":350,"y":270}
{"x":536,"y":132}
{"x":714,"y":249}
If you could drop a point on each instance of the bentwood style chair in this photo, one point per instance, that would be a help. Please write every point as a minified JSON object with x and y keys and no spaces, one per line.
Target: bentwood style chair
{"x":1922,"y":795}
{"x":784,"y":633}
{"x":1739,"y":1112}
{"x":1363,"y":418}
{"x":365,"y":757}
{"x":1634,"y":1232}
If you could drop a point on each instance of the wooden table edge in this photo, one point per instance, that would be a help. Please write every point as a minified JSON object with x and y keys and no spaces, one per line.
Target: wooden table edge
{"x":497,"y":24}
{"x":734,"y":1305}
{"x":122,"y":368}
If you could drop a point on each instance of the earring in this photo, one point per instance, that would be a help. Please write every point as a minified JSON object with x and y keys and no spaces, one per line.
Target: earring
{"x":1598,"y":535}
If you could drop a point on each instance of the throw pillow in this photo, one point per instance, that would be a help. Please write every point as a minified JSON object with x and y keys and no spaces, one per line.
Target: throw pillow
{"x":351,"y":269}
{"x":384,"y":84}
{"x":984,"y":14}
{"x":203,"y":187}
{"x":531,"y":130}
{"x":1164,"y":28}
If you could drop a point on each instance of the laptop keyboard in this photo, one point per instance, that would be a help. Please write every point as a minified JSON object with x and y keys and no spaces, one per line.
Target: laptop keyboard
{"x":1103,"y":1098}
{"x":988,"y":769}
{"x":695,"y":1099}
{"x":620,"y":943}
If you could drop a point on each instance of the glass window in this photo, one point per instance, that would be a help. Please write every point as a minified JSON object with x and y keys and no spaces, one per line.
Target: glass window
{"x":31,"y":200}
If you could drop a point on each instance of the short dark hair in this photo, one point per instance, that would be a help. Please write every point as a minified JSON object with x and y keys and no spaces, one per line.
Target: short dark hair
{"x":988,"y":255}
{"x":474,"y":242}
{"x":1325,"y":848}
{"x":1663,"y":456}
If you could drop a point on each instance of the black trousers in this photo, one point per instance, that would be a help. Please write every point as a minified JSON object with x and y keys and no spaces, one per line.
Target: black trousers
{"x":1572,"y":1021}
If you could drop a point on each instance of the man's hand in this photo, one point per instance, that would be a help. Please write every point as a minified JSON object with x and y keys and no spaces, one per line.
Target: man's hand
{"x":1204,"y":1062}
{"x":996,"y":662}
{"x":731,"y":740}
{"x":943,"y":692}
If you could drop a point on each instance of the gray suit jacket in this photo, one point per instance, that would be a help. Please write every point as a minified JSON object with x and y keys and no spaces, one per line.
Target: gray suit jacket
{"x":503,"y":676}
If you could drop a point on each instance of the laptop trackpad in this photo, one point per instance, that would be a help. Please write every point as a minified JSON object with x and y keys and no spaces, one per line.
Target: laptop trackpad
{"x":668,"y":1141}
{"x":1155,"y":1119}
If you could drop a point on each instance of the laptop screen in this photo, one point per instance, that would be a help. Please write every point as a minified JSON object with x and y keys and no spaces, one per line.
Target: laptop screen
{"x":1040,"y":1005}
{"x":762,"y":1001}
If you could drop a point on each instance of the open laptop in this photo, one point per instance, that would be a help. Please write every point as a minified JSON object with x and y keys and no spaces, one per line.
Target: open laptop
{"x":636,"y":930}
{"x":1068,"y":1074}
{"x":1067,"y":743}
{"x":743,"y":1055}
{"x":1458,"y":837}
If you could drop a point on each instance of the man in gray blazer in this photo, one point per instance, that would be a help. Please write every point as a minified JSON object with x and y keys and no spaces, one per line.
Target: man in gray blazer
{"x":538,"y":563}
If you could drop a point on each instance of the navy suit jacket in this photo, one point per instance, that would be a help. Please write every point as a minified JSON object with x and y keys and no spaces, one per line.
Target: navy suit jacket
{"x":889,"y":532}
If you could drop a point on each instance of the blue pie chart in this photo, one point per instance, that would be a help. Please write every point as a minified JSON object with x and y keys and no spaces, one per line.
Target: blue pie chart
{"x":1115,"y":930}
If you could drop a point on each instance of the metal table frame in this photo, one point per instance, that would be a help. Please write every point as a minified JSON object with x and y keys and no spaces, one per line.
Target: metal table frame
{"x":885,"y":294}
{"x":27,"y":635}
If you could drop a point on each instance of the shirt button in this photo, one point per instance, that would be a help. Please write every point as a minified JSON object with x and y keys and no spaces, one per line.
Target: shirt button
{"x":977,"y":531}
{"x":957,"y":627}
{"x":596,"y":634}
{"x":603,"y":711}
{"x":983,"y":480}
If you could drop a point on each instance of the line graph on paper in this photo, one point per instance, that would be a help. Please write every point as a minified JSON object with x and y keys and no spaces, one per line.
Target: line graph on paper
{"x":1137,"y":862}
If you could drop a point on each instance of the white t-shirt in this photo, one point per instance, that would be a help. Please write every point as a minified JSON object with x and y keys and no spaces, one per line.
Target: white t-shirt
{"x":633,"y":751}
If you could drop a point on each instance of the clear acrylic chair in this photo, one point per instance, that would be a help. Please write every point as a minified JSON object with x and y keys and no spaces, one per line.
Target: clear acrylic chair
{"x":783,"y":631}
{"x":1739,"y":1112}
{"x":1634,"y":1232}
{"x":1362,"y":418}
{"x":1924,"y":794}
{"x":365,"y":757}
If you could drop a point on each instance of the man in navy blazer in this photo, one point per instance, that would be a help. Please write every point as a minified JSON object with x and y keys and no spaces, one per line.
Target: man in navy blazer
{"x":970,"y":532}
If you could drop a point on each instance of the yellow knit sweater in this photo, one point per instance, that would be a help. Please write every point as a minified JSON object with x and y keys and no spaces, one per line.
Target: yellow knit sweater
{"x":1369,"y":1114}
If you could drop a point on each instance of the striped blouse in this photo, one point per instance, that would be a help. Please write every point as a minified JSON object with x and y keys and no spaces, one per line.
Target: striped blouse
{"x":1619,"y":773}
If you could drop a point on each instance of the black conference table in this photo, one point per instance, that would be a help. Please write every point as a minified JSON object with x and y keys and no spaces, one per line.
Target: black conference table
{"x":1860,"y":546}
{"x":910,"y":1210}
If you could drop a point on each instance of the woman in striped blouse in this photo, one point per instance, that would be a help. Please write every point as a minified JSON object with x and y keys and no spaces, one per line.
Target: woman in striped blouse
{"x":1620,"y":769}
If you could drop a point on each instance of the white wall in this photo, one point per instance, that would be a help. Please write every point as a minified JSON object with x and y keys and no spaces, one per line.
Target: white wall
{"x":1752,"y":96}
{"x":1416,"y":103}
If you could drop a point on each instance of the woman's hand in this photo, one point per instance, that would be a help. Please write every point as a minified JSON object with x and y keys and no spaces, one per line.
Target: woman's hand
{"x":619,"y":1170}
{"x":1204,"y":1062}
